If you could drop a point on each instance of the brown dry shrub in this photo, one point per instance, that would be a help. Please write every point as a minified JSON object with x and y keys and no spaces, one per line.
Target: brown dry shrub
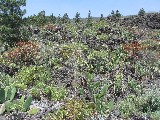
{"x":24,"y":52}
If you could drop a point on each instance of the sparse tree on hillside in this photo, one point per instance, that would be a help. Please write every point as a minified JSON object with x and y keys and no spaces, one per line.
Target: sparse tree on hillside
{"x":141,"y":12}
{"x":101,"y":18}
{"x":59,"y":20}
{"x":52,"y":19}
{"x":89,"y":19}
{"x":77,"y":18}
{"x":41,"y":18}
{"x":118,"y":14}
{"x":65,"y":18}
{"x":11,"y":20}
{"x":112,"y":13}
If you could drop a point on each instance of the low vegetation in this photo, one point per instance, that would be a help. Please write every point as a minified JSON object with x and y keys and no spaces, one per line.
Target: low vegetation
{"x":62,"y":69}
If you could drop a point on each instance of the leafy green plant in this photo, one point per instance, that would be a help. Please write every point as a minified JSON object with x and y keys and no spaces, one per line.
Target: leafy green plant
{"x":35,"y":92}
{"x":55,"y":93}
{"x":127,"y":107}
{"x":7,"y":93}
{"x":21,"y":105}
{"x":2,"y":93}
{"x":5,"y":80}
{"x":98,"y":92}
{"x":133,"y":85}
{"x":97,"y":61}
{"x":73,"y":109}
{"x":33,"y":111}
{"x":32,"y":75}
{"x":147,"y":103}
{"x":27,"y":103}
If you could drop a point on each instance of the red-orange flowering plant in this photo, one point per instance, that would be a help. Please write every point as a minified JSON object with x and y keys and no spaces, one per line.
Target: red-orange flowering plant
{"x":24,"y":52}
{"x":133,"y":47}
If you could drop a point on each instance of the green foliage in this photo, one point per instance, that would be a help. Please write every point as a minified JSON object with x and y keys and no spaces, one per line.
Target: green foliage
{"x":54,"y":93}
{"x":147,"y":103}
{"x":73,"y":109}
{"x":97,"y":61}
{"x":11,"y":93}
{"x":41,"y":18}
{"x":77,"y":18}
{"x":86,"y":50}
{"x":102,"y":18}
{"x":32,"y":75}
{"x":155,"y":115}
{"x":21,"y":105}
{"x":5,"y":80}
{"x":11,"y":20}
{"x":52,"y":18}
{"x":2,"y":94}
{"x":51,"y":92}
{"x":97,"y":93}
{"x":35,"y":92}
{"x":141,"y":12}
{"x":59,"y":20}
{"x":27,"y":103}
{"x":116,"y":14}
{"x":89,"y":19}
{"x":7,"y":93}
{"x":112,"y":13}
{"x":133,"y":85}
{"x":127,"y":107}
{"x":33,"y":111}
{"x":58,"y":93}
{"x":65,"y":18}
{"x":72,"y":50}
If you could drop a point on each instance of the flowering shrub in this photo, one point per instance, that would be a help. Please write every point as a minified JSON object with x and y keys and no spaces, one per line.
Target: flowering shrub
{"x":24,"y":52}
{"x":133,"y":47}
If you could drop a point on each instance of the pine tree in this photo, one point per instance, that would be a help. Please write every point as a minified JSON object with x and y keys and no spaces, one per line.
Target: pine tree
{"x":52,"y":19}
{"x":65,"y":18}
{"x":41,"y":18}
{"x":59,"y":20}
{"x":89,"y":19}
{"x":77,"y":18}
{"x":11,"y":20}
{"x":141,"y":12}
{"x":112,"y":13}
{"x":101,"y":18}
{"x":118,"y":14}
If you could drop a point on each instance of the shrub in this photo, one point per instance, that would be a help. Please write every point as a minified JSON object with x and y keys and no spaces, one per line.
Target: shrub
{"x":24,"y":53}
{"x":147,"y":103}
{"x":73,"y":109}
{"x":32,"y":75}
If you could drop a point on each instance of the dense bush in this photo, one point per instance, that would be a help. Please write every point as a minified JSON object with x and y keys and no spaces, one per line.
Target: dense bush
{"x":24,"y":53}
{"x":11,"y":20}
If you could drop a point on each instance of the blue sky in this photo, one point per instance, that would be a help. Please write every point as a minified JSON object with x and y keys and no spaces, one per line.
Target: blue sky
{"x":97,"y":7}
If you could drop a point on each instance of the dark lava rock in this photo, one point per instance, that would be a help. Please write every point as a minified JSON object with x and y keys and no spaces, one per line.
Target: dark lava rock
{"x":8,"y":70}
